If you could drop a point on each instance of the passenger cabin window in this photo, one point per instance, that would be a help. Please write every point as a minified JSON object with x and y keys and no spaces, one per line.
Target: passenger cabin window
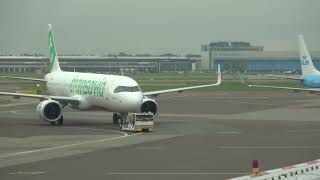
{"x":126,"y":89}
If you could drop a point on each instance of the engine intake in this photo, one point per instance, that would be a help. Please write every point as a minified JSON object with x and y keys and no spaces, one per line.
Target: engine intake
{"x":149,"y":105}
{"x":49,"y":110}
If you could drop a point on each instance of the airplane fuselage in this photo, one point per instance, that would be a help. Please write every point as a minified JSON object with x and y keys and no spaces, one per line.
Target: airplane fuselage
{"x":110,"y":92}
{"x":312,"y":81}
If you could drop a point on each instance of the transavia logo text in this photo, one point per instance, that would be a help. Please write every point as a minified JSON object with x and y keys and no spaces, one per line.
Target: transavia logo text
{"x":304,"y":61}
{"x":87,"y":87}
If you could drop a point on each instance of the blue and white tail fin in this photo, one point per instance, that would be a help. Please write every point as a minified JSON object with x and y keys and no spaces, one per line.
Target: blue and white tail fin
{"x":307,"y":66}
{"x":54,"y":63}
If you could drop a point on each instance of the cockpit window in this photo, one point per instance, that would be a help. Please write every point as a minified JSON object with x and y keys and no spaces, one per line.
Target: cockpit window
{"x":126,"y":89}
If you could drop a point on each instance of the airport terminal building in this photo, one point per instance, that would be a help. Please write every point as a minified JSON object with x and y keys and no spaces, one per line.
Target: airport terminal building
{"x":242,"y":56}
{"x":102,"y":64}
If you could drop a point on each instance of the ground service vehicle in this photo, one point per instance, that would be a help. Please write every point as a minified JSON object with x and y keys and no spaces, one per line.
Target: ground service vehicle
{"x":139,"y":122}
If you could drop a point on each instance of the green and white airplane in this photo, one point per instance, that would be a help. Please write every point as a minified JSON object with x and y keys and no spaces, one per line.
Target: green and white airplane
{"x":88,"y":91}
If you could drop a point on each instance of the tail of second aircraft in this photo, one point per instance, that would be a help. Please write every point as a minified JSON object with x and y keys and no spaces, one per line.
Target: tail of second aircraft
{"x":54,"y":63}
{"x":307,"y":66}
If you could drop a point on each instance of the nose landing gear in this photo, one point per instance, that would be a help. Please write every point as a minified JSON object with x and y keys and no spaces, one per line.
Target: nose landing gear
{"x":119,"y":116}
{"x":115,"y":118}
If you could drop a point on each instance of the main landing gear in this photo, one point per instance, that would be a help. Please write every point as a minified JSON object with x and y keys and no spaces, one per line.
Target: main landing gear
{"x":59,"y":122}
{"x":119,"y":116}
{"x":115,"y":118}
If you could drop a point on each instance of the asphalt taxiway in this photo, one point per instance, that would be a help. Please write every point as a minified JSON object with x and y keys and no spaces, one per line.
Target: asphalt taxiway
{"x":198,"y":136}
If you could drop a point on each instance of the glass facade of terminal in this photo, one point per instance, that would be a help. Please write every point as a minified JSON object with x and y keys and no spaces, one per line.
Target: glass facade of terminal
{"x":262,"y":65}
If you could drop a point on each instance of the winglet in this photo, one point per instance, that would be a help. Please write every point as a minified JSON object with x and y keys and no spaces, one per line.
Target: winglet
{"x":219,"y":75}
{"x":50,"y":27}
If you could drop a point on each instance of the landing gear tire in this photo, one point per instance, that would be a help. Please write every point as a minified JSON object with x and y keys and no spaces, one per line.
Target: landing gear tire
{"x":60,"y":121}
{"x":115,"y":118}
{"x":52,"y":123}
{"x":123,"y":118}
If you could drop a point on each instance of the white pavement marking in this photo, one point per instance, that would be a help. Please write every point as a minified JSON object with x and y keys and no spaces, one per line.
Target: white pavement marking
{"x":96,"y":129}
{"x":228,"y":132}
{"x":268,"y":147}
{"x":172,"y":97}
{"x":27,"y":173}
{"x":148,"y":148}
{"x":235,"y":97}
{"x":175,"y":173}
{"x":305,"y":130}
{"x":213,"y":97}
{"x":21,"y":111}
{"x":15,"y":104}
{"x":252,"y":103}
{"x":68,"y":145}
{"x":15,"y":112}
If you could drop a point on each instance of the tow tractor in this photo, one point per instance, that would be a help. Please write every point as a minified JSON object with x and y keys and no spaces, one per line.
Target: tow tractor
{"x":139,"y":122}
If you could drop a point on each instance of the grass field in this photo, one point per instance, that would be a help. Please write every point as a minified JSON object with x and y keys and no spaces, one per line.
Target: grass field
{"x":151,"y":82}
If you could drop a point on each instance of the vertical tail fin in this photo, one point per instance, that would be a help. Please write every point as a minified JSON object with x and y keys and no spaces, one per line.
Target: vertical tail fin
{"x":54,"y":63}
{"x":307,"y":66}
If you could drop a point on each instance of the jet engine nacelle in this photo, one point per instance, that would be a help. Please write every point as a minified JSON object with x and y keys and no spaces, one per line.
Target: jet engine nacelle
{"x":49,"y":110}
{"x":149,"y":105}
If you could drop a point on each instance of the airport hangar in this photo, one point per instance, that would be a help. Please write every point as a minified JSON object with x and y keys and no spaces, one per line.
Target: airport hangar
{"x":232,"y":56}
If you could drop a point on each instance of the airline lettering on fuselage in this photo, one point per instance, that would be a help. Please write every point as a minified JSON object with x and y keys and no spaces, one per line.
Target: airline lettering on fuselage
{"x":304,"y":61}
{"x":87,"y":87}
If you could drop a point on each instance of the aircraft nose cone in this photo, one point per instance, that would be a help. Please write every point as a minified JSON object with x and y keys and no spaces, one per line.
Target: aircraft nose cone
{"x":133,"y":101}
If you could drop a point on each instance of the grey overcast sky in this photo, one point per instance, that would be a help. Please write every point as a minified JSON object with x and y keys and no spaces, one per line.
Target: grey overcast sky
{"x":155,"y":26}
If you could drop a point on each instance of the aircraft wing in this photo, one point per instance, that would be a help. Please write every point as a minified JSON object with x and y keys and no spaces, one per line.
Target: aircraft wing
{"x":179,"y":90}
{"x":284,"y":77}
{"x":63,"y":99}
{"x":289,"y":88}
{"x":24,"y":78}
